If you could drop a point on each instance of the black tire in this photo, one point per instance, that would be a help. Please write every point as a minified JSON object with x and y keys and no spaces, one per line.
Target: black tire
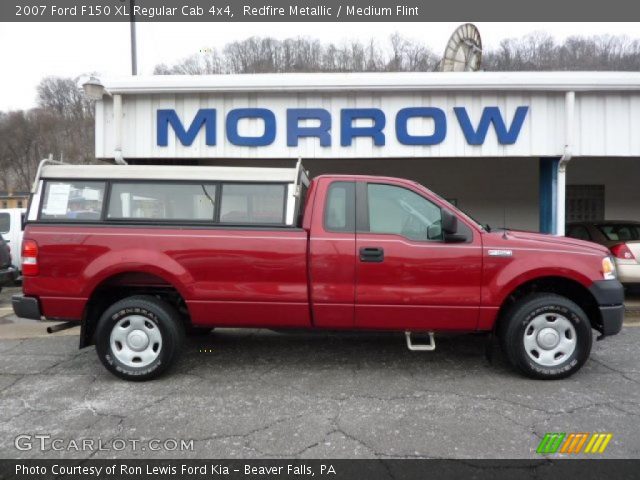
{"x":160,"y":315}
{"x":517,"y":319}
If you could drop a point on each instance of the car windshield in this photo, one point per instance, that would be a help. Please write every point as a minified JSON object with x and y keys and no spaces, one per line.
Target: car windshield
{"x":622,"y":232}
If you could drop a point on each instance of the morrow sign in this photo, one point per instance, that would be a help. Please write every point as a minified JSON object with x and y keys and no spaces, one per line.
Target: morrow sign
{"x":318,"y":123}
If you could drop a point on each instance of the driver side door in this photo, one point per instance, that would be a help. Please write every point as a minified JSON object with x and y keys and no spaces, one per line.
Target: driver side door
{"x":407,"y":277}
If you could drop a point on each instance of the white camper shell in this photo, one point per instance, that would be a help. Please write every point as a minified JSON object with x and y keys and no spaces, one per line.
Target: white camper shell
{"x":175,"y":194}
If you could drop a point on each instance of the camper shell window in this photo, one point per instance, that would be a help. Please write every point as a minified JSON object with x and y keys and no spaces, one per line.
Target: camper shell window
{"x":72,"y":201}
{"x":165,"y":202}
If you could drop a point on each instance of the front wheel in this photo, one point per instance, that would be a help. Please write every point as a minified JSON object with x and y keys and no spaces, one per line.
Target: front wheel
{"x":546,"y":336}
{"x":139,"y":337}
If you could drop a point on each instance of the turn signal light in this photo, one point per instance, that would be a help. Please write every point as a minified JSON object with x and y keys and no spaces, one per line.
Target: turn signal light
{"x":622,"y":251}
{"x":29,"y":258}
{"x":608,"y":269}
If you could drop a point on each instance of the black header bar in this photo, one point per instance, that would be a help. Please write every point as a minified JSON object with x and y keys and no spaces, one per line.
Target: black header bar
{"x":297,"y":469}
{"x":318,"y":10}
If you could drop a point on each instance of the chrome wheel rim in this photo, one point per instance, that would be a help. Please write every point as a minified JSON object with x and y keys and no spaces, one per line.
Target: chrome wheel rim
{"x":550,"y":339}
{"x":136,"y":341}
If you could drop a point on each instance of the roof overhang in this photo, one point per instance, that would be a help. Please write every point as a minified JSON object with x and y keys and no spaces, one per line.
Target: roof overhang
{"x":392,"y":81}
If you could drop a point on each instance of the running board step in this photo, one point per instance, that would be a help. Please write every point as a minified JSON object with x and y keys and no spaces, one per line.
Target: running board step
{"x":420,"y":347}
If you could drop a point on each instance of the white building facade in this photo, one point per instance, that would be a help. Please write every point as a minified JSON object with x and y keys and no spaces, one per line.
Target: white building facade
{"x":527,"y":149}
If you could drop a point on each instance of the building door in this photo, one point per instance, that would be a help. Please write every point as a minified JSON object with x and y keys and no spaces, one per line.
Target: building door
{"x":585,"y":203}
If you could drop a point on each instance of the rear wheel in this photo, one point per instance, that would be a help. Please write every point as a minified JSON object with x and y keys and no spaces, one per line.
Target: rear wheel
{"x":546,"y":336}
{"x":139,"y":337}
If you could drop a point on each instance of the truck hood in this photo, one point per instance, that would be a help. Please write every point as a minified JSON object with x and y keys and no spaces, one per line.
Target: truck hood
{"x":543,"y":240}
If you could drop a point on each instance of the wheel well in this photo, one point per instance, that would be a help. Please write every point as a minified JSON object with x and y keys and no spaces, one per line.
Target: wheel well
{"x":125,"y":285}
{"x":563,"y":286}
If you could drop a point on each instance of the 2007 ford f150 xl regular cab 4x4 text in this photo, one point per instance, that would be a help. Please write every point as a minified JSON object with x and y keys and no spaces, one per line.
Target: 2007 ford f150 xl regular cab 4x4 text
{"x":138,"y":254}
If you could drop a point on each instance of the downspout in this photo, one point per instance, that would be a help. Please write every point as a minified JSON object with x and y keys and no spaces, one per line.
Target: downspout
{"x":117,"y":130}
{"x":569,"y":110}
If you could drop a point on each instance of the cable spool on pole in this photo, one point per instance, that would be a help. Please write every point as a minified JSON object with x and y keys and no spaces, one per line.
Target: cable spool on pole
{"x":463,"y":52}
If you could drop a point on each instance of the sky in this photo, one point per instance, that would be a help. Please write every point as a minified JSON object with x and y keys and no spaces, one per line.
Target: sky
{"x":31,"y":51}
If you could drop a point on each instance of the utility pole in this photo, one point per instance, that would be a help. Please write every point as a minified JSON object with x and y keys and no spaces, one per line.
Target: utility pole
{"x":134,"y":52}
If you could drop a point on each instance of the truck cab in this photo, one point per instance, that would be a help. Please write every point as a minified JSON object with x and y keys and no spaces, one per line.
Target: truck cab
{"x":137,"y":255}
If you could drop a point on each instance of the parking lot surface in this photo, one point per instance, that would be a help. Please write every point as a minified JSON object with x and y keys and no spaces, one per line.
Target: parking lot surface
{"x":256,"y":393}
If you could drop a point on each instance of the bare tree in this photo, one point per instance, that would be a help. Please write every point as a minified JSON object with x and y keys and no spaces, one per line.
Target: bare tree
{"x":302,"y":54}
{"x":62,"y":125}
{"x":539,"y":51}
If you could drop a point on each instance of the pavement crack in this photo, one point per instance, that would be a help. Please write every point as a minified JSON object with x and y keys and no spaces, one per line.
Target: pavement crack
{"x":622,"y":373}
{"x":7,"y":387}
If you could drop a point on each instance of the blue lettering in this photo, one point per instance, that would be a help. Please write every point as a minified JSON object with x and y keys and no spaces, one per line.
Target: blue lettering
{"x":348,"y":131}
{"x":439,"y":131}
{"x":295,"y":131}
{"x":206,"y":117}
{"x":267,"y":116}
{"x":491,"y":115}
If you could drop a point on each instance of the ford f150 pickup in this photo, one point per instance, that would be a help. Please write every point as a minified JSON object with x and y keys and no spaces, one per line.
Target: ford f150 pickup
{"x":138,"y":254}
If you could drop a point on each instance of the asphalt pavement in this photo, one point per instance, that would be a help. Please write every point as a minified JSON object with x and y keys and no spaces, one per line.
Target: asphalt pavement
{"x":256,"y":394}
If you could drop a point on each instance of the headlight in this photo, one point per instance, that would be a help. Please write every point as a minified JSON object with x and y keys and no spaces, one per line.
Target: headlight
{"x":608,"y":268}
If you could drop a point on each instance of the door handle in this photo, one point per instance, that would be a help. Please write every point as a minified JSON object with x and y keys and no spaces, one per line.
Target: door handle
{"x":371,"y":254}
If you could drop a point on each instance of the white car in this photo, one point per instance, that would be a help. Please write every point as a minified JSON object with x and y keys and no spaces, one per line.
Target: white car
{"x":622,"y":238}
{"x":12,"y":228}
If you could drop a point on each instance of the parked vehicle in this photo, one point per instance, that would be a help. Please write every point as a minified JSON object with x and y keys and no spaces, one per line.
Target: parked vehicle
{"x":157,"y":248}
{"x":12,"y":229}
{"x":622,"y":238}
{"x":7,"y":271}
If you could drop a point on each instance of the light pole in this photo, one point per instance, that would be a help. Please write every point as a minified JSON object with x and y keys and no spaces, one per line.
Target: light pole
{"x":134,"y":52}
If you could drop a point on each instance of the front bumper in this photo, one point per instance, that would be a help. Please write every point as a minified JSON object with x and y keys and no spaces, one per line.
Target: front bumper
{"x":610,"y":297}
{"x":26,"y":307}
{"x":8,"y":276}
{"x":612,"y":318}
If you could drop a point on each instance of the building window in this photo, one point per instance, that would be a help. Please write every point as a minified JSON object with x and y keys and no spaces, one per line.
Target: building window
{"x":585,"y":203}
{"x":4,"y":204}
{"x":19,"y":203}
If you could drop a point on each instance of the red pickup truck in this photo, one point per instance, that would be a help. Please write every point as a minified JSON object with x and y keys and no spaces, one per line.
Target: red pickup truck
{"x":137,"y":255}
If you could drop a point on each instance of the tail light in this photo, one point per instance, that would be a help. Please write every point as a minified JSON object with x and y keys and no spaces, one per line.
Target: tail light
{"x":622,"y":251}
{"x":29,"y":258}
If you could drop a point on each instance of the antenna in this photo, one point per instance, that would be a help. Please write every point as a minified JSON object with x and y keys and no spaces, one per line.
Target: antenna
{"x":504,"y":221}
{"x":463,"y":52}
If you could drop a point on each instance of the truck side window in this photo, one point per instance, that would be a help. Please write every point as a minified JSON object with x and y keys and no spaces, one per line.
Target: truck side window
{"x":253,"y":204}
{"x":72,"y":201}
{"x":339,"y":211}
{"x":400,"y":211}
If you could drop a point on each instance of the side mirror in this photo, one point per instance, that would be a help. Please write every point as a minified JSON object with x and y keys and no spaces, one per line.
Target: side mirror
{"x":449,"y":223}
{"x":450,"y":228}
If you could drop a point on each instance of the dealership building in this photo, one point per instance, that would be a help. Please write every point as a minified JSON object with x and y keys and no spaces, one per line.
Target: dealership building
{"x":529,"y":150}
